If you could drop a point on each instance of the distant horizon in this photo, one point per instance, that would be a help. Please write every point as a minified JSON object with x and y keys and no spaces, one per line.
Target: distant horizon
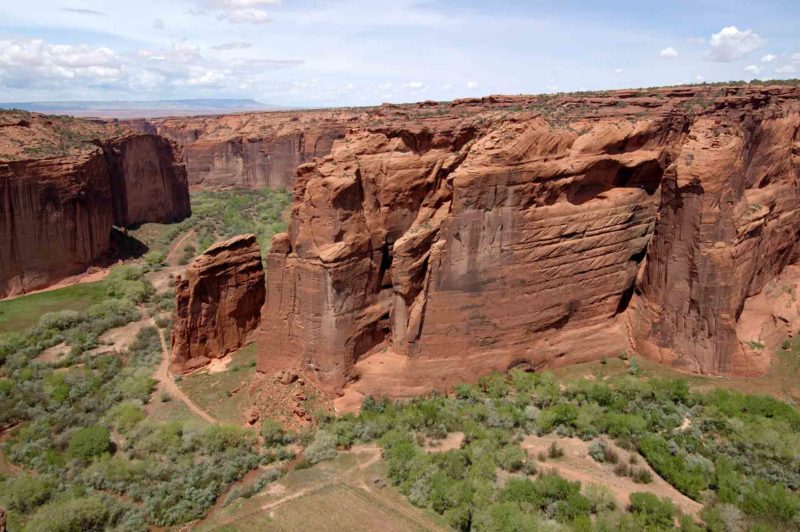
{"x":320,"y":53}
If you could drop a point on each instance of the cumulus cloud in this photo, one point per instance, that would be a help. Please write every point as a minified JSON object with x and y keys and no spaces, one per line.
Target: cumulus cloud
{"x":731,"y":44}
{"x":769,"y":58}
{"x":472,"y":84}
{"x":240,"y":11}
{"x":237,"y":45}
{"x":32,"y":62}
{"x":618,"y":71}
{"x":416,"y":85}
{"x":752,"y":69}
{"x":668,"y":53}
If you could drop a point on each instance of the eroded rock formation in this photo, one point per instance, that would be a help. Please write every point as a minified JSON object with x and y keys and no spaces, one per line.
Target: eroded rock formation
{"x":56,"y":218}
{"x":56,"y":213}
{"x":251,"y":150}
{"x":148,"y":184}
{"x":217,"y":302}
{"x":537,"y":232}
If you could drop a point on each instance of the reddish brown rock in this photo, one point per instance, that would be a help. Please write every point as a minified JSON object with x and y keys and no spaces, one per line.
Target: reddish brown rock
{"x":217,"y":302}
{"x":55,"y":218}
{"x":3,"y":517}
{"x":57,"y":213}
{"x":251,"y":150}
{"x":537,"y":232}
{"x":148,"y":182}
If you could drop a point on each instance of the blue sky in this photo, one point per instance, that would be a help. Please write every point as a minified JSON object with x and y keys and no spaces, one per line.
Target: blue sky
{"x":339,"y":52}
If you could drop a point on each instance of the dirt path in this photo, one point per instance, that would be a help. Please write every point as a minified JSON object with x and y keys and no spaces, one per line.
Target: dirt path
{"x":173,"y":256}
{"x":163,"y":376}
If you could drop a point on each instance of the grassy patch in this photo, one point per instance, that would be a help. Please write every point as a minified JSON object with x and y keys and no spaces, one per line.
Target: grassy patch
{"x":23,"y":312}
{"x":224,"y":394}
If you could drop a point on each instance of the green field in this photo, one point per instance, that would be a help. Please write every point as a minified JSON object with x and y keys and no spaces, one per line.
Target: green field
{"x":23,"y":312}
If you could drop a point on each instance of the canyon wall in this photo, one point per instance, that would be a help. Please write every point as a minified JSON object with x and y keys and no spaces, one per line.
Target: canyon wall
{"x":147,"y":183}
{"x":218,"y":301}
{"x":56,"y":218}
{"x":57,"y":212}
{"x":253,"y":150}
{"x":531,"y":232}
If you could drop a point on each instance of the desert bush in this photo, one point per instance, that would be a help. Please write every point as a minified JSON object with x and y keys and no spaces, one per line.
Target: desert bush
{"x":600,"y":497}
{"x":25,"y":493}
{"x":71,"y":515}
{"x":555,"y":451}
{"x":641,"y":475}
{"x":323,"y":447}
{"x":654,"y":512}
{"x":90,"y":442}
{"x":602,"y":452}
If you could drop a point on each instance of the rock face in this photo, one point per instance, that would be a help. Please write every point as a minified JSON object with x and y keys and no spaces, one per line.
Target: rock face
{"x":538,"y":232}
{"x":2,"y":520}
{"x":57,"y":213}
{"x":56,"y":219}
{"x":147,"y":183}
{"x":252,"y":150}
{"x":217,"y":302}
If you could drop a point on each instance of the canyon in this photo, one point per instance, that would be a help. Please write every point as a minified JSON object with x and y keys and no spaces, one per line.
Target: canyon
{"x":432,"y":243}
{"x":58,"y":209}
{"x":533,"y":232}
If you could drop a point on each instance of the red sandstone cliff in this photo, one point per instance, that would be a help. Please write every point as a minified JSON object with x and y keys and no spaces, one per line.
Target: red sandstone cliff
{"x":148,"y":184}
{"x":55,"y":218}
{"x":251,"y":150}
{"x":538,"y":232}
{"x":217,"y":302}
{"x":56,"y":213}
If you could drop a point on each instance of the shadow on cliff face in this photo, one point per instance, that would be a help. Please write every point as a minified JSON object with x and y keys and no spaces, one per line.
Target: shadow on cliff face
{"x":124,"y":246}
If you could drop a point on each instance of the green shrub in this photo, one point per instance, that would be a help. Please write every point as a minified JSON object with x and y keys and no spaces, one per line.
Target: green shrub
{"x":124,"y":416}
{"x":690,"y":479}
{"x":90,"y":442}
{"x":84,"y":514}
{"x":25,"y":493}
{"x":323,"y":447}
{"x":272,"y":432}
{"x":602,"y":452}
{"x":654,"y":511}
{"x":511,"y":457}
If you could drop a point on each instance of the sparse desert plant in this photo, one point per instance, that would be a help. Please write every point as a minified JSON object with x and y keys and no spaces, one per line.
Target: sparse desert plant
{"x":555,"y":451}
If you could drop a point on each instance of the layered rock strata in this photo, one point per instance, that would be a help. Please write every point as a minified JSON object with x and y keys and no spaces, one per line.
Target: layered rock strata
{"x":537,"y":232}
{"x":252,"y":150}
{"x":56,"y":214}
{"x":218,"y":302}
{"x":148,"y":184}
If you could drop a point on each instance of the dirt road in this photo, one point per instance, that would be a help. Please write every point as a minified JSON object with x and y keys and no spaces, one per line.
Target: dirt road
{"x":168,"y":383}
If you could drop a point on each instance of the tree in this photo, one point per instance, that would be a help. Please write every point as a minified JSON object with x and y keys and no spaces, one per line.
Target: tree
{"x":90,"y":442}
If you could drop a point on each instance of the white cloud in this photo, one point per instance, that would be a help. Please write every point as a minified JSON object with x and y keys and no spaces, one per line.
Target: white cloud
{"x":731,"y":44}
{"x":769,"y":58}
{"x":384,"y":86}
{"x":240,"y":11}
{"x":236,"y":45}
{"x":785,"y":69}
{"x":207,"y":78}
{"x":752,"y":69}
{"x":472,"y":84}
{"x":618,"y":71}
{"x":416,"y":85}
{"x":81,"y":11}
{"x":668,"y":53}
{"x":33,"y":62}
{"x":700,"y":78}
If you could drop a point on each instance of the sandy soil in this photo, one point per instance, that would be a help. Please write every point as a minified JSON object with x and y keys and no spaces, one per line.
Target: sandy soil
{"x":118,"y":339}
{"x":453,"y":440}
{"x":576,"y":464}
{"x":53,"y":354}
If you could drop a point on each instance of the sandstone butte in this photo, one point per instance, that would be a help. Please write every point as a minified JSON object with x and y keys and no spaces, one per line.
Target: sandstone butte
{"x":57,"y":211}
{"x":440,"y":241}
{"x":218,"y":301}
